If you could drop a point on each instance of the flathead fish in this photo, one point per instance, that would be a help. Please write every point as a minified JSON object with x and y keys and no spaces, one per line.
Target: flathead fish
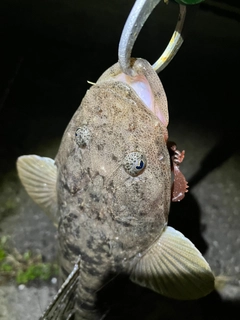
{"x":109,"y":191}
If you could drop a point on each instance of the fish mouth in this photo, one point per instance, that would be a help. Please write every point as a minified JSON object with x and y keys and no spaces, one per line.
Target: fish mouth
{"x":142,"y":88}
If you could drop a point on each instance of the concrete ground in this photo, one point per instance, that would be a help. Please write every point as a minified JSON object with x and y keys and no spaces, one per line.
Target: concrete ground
{"x":49,"y":51}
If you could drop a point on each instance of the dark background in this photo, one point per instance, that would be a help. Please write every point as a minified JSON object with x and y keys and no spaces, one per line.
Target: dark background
{"x":49,"y":49}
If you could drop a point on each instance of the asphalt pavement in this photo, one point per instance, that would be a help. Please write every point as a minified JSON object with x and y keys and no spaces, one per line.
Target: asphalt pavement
{"x":50,"y":50}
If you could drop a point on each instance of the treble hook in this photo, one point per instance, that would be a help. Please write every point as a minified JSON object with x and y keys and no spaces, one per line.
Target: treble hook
{"x":136,"y":19}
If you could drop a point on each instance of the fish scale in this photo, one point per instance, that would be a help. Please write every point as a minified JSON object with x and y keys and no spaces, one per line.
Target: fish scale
{"x":109,"y":193}
{"x":95,"y":261}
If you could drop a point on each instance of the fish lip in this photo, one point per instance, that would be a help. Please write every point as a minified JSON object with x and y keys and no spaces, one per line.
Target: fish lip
{"x":142,"y":88}
{"x":155,"y":99}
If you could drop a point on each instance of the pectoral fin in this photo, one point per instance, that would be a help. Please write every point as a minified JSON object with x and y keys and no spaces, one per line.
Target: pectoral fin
{"x":38,"y":176}
{"x":174,"y":268}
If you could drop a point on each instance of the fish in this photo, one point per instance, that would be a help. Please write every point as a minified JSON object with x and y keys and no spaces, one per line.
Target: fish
{"x":109,"y":190}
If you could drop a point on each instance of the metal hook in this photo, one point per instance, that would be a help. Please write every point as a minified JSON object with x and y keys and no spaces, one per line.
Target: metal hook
{"x":136,"y":19}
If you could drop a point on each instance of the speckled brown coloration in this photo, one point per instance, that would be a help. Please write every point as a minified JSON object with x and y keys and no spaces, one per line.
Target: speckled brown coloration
{"x":108,"y":191}
{"x":107,"y":216}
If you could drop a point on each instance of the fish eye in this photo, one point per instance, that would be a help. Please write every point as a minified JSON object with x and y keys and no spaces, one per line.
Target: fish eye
{"x":82,"y":136}
{"x":134,"y":163}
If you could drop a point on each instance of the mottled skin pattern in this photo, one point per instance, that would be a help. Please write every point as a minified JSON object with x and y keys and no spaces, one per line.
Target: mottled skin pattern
{"x":107,"y":216}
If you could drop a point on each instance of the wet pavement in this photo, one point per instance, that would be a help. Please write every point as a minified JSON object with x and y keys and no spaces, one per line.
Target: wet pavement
{"x":50,"y":50}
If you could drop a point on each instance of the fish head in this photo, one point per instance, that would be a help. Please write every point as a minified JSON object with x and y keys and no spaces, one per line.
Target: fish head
{"x":109,"y":190}
{"x":113,"y":162}
{"x":146,"y":85}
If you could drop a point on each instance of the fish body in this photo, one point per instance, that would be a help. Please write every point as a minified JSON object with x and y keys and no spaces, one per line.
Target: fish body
{"x":109,"y":193}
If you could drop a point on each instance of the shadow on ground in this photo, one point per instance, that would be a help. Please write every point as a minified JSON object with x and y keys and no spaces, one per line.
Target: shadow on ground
{"x":48,"y":54}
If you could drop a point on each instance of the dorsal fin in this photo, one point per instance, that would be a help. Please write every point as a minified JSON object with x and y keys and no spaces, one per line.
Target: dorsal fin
{"x":39,"y":176}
